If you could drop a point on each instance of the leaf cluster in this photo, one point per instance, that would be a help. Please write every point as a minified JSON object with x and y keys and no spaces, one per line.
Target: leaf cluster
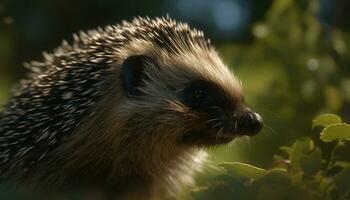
{"x":299,"y":171}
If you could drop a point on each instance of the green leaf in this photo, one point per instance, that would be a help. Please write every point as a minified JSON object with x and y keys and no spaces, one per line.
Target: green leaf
{"x":342,"y":164}
{"x":336,"y":132}
{"x":278,"y":170}
{"x":326,"y":120}
{"x":286,"y":149}
{"x":301,"y":147}
{"x":241,"y":170}
{"x":312,"y":162}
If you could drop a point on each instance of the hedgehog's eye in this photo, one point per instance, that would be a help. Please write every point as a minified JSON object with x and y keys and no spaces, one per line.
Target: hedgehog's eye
{"x":202,"y":95}
{"x":198,"y":93}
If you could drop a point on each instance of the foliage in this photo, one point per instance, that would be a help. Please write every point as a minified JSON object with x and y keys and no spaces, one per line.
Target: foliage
{"x":295,"y":68}
{"x":299,"y":171}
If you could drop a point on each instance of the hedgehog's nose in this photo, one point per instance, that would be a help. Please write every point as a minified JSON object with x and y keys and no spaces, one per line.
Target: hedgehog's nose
{"x":254,"y":123}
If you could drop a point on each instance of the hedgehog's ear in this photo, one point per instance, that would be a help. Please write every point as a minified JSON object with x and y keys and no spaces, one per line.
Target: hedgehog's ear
{"x":133,"y":73}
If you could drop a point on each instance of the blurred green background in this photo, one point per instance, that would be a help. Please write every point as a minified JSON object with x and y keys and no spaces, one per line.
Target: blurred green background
{"x":291,"y":55}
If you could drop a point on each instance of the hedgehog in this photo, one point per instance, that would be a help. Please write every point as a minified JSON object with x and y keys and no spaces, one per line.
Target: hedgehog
{"x":129,"y":109}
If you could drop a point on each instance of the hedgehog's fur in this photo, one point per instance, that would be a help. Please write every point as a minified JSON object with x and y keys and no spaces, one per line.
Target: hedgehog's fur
{"x":71,"y":124}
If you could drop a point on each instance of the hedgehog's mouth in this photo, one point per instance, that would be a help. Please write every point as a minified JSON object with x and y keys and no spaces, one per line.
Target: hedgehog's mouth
{"x":223,"y":128}
{"x":207,"y":138}
{"x":224,"y":131}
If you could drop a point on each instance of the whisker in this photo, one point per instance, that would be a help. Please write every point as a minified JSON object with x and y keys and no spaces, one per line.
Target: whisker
{"x":246,"y":141}
{"x":210,"y":120}
{"x":271,"y":129}
{"x":217,"y":125}
{"x":218,"y":135}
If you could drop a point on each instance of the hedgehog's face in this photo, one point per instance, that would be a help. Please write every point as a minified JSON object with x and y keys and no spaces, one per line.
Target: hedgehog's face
{"x":209,"y":109}
{"x":221,"y":117}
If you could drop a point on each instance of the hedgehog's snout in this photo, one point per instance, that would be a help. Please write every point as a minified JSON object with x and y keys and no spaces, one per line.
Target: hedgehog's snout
{"x":246,"y":123}
{"x":254,"y":123}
